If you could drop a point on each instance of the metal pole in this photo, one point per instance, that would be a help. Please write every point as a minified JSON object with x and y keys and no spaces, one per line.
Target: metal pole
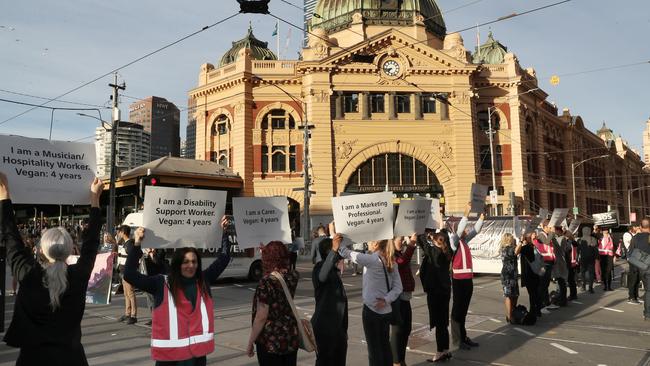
{"x":110,"y":214}
{"x":306,"y":230}
{"x":494,"y":179}
{"x":573,"y":179}
{"x":629,"y":207}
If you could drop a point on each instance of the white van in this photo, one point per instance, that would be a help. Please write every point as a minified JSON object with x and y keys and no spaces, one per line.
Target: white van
{"x":245,"y":263}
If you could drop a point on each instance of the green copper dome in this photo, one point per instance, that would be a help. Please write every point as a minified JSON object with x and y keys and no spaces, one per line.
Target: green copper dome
{"x":334,"y":15}
{"x":259,"y":49}
{"x":491,"y":52}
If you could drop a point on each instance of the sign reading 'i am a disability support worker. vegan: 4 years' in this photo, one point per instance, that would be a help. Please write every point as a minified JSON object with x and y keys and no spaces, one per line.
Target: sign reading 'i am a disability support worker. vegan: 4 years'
{"x":47,"y":172}
{"x":183,"y":217}
{"x":364,"y":217}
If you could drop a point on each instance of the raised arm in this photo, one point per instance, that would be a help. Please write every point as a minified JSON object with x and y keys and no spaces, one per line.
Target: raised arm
{"x":405,"y":258}
{"x":220,"y":263}
{"x":358,"y":258}
{"x":475,"y":230}
{"x":150,"y":284}
{"x":19,"y":257}
{"x":330,"y":261}
{"x":91,"y":242}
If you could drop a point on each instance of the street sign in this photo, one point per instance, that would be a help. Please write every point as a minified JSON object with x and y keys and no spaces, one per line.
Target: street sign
{"x":494,"y":197}
{"x":575,"y":211}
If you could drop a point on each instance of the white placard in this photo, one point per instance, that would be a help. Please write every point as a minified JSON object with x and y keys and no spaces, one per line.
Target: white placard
{"x":477,"y":198}
{"x":435,"y":219}
{"x":412,"y":217}
{"x":364,"y":217}
{"x":543,"y":213}
{"x":182,"y":217}
{"x":558,"y":215}
{"x":574,"y":226}
{"x":516,"y":224}
{"x":47,"y":172}
{"x":534,"y":223}
{"x":261,"y":220}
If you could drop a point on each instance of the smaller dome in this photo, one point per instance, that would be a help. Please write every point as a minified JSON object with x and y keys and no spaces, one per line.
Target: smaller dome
{"x":606,"y":133}
{"x":259,"y":49}
{"x":491,"y":52}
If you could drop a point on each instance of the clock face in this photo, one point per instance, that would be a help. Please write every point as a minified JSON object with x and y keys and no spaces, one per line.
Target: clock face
{"x":391,"y":68}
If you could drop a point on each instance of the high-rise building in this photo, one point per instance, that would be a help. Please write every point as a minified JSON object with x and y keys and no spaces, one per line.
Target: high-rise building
{"x":161,"y":119}
{"x":132,"y":148}
{"x":646,"y":143}
{"x":309,"y":6}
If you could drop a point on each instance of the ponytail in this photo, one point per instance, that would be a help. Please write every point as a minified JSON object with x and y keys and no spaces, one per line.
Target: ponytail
{"x":56,"y":245}
{"x":56,"y":281}
{"x":388,"y":252}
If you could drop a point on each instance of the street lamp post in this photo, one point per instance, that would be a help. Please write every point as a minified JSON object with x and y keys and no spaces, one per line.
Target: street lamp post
{"x":490,"y":133}
{"x":573,"y":179}
{"x":629,"y":202}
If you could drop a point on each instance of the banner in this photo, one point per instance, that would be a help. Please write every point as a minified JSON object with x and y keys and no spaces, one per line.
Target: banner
{"x":478,"y":198}
{"x":533,"y":224}
{"x":182,"y":217}
{"x":260,"y":220}
{"x":557,"y":216}
{"x":412,"y":217}
{"x":606,"y":219}
{"x":47,"y":172}
{"x":573,"y":227}
{"x":99,"y":284}
{"x":364,"y":217}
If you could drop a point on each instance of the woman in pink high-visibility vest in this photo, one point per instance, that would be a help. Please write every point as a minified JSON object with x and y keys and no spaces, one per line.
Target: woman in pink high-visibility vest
{"x":606,"y":252}
{"x":462,"y":283}
{"x":182,"y":330}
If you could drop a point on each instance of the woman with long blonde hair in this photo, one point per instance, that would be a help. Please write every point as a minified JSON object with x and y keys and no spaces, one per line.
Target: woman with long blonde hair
{"x":46,"y":324}
{"x":381,"y":287}
{"x":510,"y":249}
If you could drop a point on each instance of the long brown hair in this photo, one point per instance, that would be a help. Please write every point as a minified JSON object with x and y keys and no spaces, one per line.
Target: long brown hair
{"x":386,"y":249}
{"x":176,"y":278}
{"x":444,"y":247}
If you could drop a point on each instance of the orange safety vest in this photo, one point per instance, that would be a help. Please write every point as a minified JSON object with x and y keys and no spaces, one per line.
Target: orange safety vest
{"x":546,"y":250}
{"x":462,"y":268}
{"x":606,"y":246}
{"x":179,"y":332}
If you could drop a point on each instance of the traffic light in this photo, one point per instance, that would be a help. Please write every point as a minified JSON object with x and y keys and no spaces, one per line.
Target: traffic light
{"x":147,"y":181}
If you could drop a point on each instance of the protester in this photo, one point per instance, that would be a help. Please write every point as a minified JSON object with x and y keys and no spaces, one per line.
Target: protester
{"x":359,"y":248}
{"x":641,"y":241}
{"x":529,"y":278}
{"x":400,"y":332}
{"x":587,"y":254}
{"x":274,"y":331}
{"x":462,"y":283}
{"x":330,"y":319}
{"x":436,"y":282}
{"x":320,"y":234}
{"x":125,"y":242}
{"x":571,"y":258}
{"x":597,"y":233}
{"x":510,"y":249}
{"x":180,"y":335}
{"x":542,"y":242}
{"x":381,"y":287}
{"x":560,"y":270}
{"x":46,"y":322}
{"x":606,"y":252}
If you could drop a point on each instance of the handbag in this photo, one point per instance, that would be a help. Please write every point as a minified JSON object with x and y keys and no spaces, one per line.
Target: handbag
{"x":395,"y":316}
{"x":639,"y":259}
{"x":305,"y":330}
{"x":538,"y":264}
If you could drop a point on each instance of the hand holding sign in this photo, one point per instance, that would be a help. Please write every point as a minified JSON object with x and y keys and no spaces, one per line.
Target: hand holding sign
{"x":138,"y":236}
{"x":96,"y":188}
{"x":4,"y":187}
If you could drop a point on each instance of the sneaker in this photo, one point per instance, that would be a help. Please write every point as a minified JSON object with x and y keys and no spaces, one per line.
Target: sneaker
{"x":123,"y":318}
{"x":552,"y":307}
{"x":132,"y":320}
{"x":633,"y":302}
{"x":545,"y":311}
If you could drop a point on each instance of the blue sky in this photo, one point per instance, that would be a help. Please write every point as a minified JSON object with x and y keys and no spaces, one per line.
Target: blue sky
{"x":48,"y":48}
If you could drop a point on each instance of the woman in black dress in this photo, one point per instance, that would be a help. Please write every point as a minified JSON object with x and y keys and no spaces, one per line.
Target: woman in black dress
{"x":436,"y":281}
{"x":509,"y":252}
{"x":529,"y":279}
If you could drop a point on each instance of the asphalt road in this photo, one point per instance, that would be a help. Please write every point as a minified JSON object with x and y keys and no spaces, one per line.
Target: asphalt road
{"x":597,"y":329}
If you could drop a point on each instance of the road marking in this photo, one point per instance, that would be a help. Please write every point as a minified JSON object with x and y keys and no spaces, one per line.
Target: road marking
{"x":347,"y":284}
{"x":610,"y":309}
{"x":524,"y":332}
{"x":576,"y":302}
{"x":252,"y":289}
{"x":237,"y":285}
{"x":565,"y":349}
{"x":496,"y":320}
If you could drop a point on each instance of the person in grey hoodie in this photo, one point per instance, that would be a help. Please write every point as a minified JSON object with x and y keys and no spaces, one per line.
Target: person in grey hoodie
{"x":560,"y":269}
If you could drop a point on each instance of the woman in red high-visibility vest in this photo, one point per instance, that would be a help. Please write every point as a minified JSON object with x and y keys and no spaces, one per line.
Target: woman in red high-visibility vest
{"x":606,"y":252}
{"x":545,"y":247}
{"x":182,"y":330}
{"x":462,"y":283}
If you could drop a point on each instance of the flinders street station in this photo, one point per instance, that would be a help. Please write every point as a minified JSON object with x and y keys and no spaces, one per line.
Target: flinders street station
{"x":396,"y":103}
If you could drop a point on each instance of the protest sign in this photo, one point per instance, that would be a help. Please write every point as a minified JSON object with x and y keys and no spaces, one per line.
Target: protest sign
{"x":534,"y":223}
{"x":47,"y":172}
{"x":435,"y":218}
{"x":477,"y":198}
{"x":182,"y":217}
{"x":261,"y":220}
{"x":516,"y":224}
{"x":412,"y":217}
{"x":573,"y":227}
{"x":99,"y":284}
{"x":364,"y":217}
{"x":543,"y":213}
{"x":606,"y":219}
{"x":558,"y":215}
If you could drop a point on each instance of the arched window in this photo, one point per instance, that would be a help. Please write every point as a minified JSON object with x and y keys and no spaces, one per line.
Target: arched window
{"x":221,"y":125}
{"x":278,"y":119}
{"x":278,"y":159}
{"x":392,"y":169}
